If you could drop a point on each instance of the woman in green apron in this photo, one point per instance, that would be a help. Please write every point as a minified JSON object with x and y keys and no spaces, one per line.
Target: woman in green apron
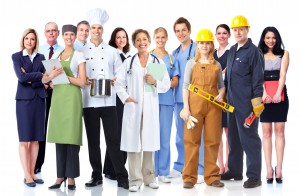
{"x":65,"y":124}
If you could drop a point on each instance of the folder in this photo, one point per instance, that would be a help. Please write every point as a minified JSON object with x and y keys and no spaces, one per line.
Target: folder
{"x":271,"y":88}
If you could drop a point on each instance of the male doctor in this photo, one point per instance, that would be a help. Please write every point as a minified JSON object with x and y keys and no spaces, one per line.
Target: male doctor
{"x":104,"y":60}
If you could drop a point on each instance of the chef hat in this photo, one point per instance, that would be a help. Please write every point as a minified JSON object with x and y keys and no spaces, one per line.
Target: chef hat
{"x":97,"y":16}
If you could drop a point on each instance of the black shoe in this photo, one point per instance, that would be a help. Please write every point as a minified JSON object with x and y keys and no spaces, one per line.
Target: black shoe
{"x":228,"y":176}
{"x":278,"y":180}
{"x":123,"y":184}
{"x":93,"y":182}
{"x":37,"y":170}
{"x":270,"y":180}
{"x":71,"y":187}
{"x":111,"y":177}
{"x":252,"y":183}
{"x":57,"y":186}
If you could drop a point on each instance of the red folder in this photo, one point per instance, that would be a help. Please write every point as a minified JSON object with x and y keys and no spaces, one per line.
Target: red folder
{"x":271,"y":88}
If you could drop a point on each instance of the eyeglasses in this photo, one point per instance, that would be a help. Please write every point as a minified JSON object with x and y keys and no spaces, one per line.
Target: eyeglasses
{"x":51,"y":30}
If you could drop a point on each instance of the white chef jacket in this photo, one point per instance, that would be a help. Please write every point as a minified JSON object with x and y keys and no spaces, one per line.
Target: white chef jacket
{"x":102,"y":61}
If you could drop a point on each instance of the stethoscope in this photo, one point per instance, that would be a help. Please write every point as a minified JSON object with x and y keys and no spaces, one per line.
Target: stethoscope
{"x":189,"y":56}
{"x":170,"y":59}
{"x":129,"y":71}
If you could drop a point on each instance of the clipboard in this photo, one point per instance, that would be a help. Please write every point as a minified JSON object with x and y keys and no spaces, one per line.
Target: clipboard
{"x":60,"y":79}
{"x":157,"y":70}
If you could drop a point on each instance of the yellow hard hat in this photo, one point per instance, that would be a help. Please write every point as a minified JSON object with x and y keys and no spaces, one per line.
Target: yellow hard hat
{"x":205,"y":35}
{"x":240,"y":21}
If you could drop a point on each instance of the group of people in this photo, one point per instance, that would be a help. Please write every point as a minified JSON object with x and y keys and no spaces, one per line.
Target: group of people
{"x":250,"y":78}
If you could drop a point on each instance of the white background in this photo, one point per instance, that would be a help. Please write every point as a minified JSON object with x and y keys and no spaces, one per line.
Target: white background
{"x":17,"y":15}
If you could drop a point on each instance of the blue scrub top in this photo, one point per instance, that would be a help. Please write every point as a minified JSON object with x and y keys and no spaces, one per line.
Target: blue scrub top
{"x":181,"y":58}
{"x":167,"y":97}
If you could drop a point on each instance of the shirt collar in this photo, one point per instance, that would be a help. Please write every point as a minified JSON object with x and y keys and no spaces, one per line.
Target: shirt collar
{"x":25,"y":53}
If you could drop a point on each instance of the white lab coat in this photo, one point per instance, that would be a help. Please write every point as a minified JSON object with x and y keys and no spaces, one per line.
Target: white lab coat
{"x":101,"y":62}
{"x":140,"y":128}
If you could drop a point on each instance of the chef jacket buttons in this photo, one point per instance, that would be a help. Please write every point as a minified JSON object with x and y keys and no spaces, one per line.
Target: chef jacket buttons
{"x":93,"y":69}
{"x":91,"y":57}
{"x":90,"y":48}
{"x":102,"y":58}
{"x":102,"y":48}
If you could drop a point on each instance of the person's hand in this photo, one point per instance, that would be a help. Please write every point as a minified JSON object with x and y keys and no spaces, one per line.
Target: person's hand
{"x":149,"y":79}
{"x":113,"y":81}
{"x":185,"y":114}
{"x":276,"y":98}
{"x":55,"y":72}
{"x":129,"y":99}
{"x":23,"y":70}
{"x":88,"y":81}
{"x":267,"y":99}
{"x":51,"y":85}
{"x":219,"y":98}
{"x":258,"y":106}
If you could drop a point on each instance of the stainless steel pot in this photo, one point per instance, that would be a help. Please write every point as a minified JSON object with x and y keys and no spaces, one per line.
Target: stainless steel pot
{"x":100,"y":88}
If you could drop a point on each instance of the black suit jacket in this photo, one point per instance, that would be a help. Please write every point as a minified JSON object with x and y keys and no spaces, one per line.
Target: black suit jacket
{"x":29,"y":83}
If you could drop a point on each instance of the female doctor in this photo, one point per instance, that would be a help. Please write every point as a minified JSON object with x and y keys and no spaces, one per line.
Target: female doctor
{"x":140,"y":128}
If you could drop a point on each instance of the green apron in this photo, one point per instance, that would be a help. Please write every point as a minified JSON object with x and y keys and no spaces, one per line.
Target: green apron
{"x":65,"y":123}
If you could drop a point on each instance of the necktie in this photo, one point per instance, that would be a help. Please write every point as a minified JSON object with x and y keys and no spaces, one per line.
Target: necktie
{"x":51,"y":52}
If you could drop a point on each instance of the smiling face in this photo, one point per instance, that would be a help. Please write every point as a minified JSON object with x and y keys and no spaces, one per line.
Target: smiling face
{"x":96,"y":32}
{"x":270,"y":40}
{"x":29,"y":42}
{"x":69,"y":38}
{"x":51,"y":32}
{"x":204,"y":47}
{"x":121,"y":40}
{"x":160,"y":39}
{"x":222,"y":36}
{"x":240,"y":34}
{"x":83,"y":32}
{"x":182,"y":33}
{"x":141,"y":42}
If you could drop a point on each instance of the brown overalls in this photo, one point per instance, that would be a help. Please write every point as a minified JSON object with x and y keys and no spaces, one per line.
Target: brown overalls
{"x":204,"y":76}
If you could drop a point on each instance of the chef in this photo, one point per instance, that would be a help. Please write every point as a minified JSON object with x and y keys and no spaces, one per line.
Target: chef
{"x":102,"y":62}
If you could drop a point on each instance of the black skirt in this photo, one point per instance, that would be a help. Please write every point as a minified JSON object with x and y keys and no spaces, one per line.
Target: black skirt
{"x":276,"y":112}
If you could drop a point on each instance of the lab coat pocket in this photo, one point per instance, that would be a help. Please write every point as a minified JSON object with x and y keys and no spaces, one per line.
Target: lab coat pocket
{"x":242,"y":67}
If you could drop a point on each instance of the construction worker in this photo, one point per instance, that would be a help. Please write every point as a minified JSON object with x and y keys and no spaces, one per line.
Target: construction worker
{"x":204,"y":72}
{"x":244,"y":82}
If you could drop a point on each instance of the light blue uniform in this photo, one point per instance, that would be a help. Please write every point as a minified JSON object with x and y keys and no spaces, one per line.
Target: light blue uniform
{"x":166,"y":104}
{"x":181,"y":59}
{"x":78,"y":45}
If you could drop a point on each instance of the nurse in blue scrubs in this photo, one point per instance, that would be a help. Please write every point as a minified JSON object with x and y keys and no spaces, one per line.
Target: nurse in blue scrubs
{"x":182,"y":54}
{"x":166,"y":104}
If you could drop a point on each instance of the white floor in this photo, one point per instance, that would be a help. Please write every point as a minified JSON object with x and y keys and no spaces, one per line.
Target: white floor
{"x":12,"y":175}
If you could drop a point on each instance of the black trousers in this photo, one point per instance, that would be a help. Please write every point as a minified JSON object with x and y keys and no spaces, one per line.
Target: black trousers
{"x":108,"y":166}
{"x":42,"y":144}
{"x":108,"y":116}
{"x":67,"y":160}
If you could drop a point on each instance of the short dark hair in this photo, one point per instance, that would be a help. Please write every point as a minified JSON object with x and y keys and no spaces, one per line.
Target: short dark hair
{"x":182,"y":20}
{"x":278,"y":48}
{"x":113,"y":38}
{"x":83,"y":22}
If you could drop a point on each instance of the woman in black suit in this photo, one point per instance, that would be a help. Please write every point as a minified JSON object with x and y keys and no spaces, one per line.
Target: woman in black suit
{"x":30,"y":102}
{"x":118,"y":40}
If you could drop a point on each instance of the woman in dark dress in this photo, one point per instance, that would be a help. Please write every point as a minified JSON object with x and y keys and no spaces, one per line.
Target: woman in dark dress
{"x":276,"y":103}
{"x":220,"y":54}
{"x":118,"y":40}
{"x":30,"y":102}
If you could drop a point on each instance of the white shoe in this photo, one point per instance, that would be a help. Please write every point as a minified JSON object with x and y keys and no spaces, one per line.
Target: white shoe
{"x":164,"y":179}
{"x":153,"y":185}
{"x":200,"y":179}
{"x":134,"y":188}
{"x":174,"y":174}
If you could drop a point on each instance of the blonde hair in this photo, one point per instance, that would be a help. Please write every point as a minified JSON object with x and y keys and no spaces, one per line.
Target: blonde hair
{"x":160,"y":29}
{"x":211,"y":58}
{"x":25,"y":33}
